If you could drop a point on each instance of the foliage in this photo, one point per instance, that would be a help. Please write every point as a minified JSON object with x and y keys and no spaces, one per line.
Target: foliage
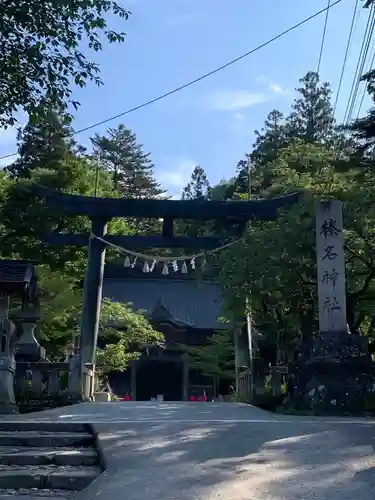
{"x":24,"y":221}
{"x":276,"y":259}
{"x":215,"y":358}
{"x":198,"y":187}
{"x":44,"y":144}
{"x":41,"y":48}
{"x":312,"y":118}
{"x":131,"y":168}
{"x":124,"y":332}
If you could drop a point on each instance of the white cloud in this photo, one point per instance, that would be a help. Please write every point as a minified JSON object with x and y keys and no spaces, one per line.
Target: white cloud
{"x":239,"y":116}
{"x":177,"y":175}
{"x":275,"y":88}
{"x":232,"y":100}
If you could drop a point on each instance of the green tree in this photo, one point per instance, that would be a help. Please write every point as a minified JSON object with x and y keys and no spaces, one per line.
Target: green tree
{"x":44,"y":144}
{"x":41,"y":51}
{"x":216,"y":357}
{"x":123,"y":331}
{"x":224,"y":190}
{"x":198,"y":187}
{"x":279,"y":256}
{"x":311,"y":119}
{"x":131,"y":167}
{"x":24,"y":219}
{"x":363,"y":129}
{"x":270,"y":141}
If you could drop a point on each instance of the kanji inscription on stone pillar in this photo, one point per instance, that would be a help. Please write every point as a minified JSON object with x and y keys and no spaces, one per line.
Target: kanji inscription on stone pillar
{"x":330,"y":267}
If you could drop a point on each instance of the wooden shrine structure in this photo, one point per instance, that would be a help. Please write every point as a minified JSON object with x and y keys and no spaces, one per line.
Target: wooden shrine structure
{"x":101,"y":210}
{"x":186,"y":308}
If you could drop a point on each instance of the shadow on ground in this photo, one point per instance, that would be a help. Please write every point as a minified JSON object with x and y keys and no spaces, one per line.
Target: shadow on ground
{"x":275,"y":460}
{"x":225,"y":452}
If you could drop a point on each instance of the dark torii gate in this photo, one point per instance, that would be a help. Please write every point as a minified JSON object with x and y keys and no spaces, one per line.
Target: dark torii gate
{"x":102,"y":210}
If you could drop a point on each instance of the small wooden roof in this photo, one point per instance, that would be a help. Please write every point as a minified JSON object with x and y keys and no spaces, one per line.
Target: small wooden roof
{"x":18,"y":277}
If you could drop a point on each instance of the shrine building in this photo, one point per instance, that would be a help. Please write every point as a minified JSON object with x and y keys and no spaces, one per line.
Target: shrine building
{"x":187,"y":311}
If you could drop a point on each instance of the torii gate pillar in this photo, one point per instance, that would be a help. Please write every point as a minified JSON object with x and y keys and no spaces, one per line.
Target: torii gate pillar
{"x":92,"y":296}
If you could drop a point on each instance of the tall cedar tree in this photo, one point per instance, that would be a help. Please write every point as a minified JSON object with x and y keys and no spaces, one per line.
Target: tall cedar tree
{"x":311,"y":119}
{"x":198,"y":187}
{"x":269,"y":142}
{"x":44,"y":144}
{"x":132,"y":168}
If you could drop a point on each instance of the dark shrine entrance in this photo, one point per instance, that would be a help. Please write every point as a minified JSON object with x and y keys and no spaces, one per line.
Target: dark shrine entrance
{"x":159,"y":377}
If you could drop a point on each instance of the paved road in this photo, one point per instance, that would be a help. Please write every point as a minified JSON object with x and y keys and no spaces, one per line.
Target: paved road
{"x":213,"y":451}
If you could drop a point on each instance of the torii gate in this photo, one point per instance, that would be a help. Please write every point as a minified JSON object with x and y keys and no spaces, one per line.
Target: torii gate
{"x":102,"y":210}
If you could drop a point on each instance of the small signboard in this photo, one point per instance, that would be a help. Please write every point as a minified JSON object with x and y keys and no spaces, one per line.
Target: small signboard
{"x":280,"y":370}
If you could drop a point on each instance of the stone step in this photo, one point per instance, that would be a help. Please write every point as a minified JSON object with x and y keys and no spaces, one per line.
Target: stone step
{"x":47,"y":477}
{"x":36,"y":494}
{"x":37,"y":438}
{"x":31,"y":425}
{"x":19,"y":455}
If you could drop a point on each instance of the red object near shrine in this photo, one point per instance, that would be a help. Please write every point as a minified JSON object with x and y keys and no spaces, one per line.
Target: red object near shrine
{"x":126,"y":397}
{"x":204,"y":397}
{"x":192,"y":398}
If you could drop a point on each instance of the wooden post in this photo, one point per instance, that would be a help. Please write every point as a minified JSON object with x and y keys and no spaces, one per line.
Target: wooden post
{"x":93,"y":293}
{"x":331,"y":268}
{"x":185,"y":378}
{"x":7,"y":361}
{"x":133,"y":380}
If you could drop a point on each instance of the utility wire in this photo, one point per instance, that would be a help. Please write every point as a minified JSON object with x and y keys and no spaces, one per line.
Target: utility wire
{"x":360,"y":65}
{"x":356,"y":4}
{"x":202,"y":77}
{"x":357,"y":67}
{"x":323,"y":37}
{"x":371,"y":65}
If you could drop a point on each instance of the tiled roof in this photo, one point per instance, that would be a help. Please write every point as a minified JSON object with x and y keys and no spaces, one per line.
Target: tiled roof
{"x":14,"y":271}
{"x":189,"y":302}
{"x":17,"y":277}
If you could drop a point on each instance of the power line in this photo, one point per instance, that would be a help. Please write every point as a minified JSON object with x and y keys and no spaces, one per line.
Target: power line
{"x":202,"y":77}
{"x":357,"y":67}
{"x":356,"y":4}
{"x":360,"y":65}
{"x":365,"y":86}
{"x":323,"y":36}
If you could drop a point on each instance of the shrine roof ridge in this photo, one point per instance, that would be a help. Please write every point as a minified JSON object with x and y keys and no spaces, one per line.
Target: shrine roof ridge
{"x":108,"y":208}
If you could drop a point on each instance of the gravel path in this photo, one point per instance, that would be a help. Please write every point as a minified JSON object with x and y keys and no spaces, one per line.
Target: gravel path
{"x":213,"y":451}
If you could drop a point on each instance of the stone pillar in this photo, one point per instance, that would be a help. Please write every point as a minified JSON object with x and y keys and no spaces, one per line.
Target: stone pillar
{"x":7,"y":361}
{"x":27,"y":347}
{"x":332,"y":371}
{"x":92,"y":296}
{"x":133,"y":380}
{"x":331,"y":268}
{"x":185,"y":378}
{"x":75,"y":378}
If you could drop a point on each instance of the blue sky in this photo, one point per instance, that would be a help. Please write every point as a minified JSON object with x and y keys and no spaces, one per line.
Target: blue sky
{"x":211,"y":123}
